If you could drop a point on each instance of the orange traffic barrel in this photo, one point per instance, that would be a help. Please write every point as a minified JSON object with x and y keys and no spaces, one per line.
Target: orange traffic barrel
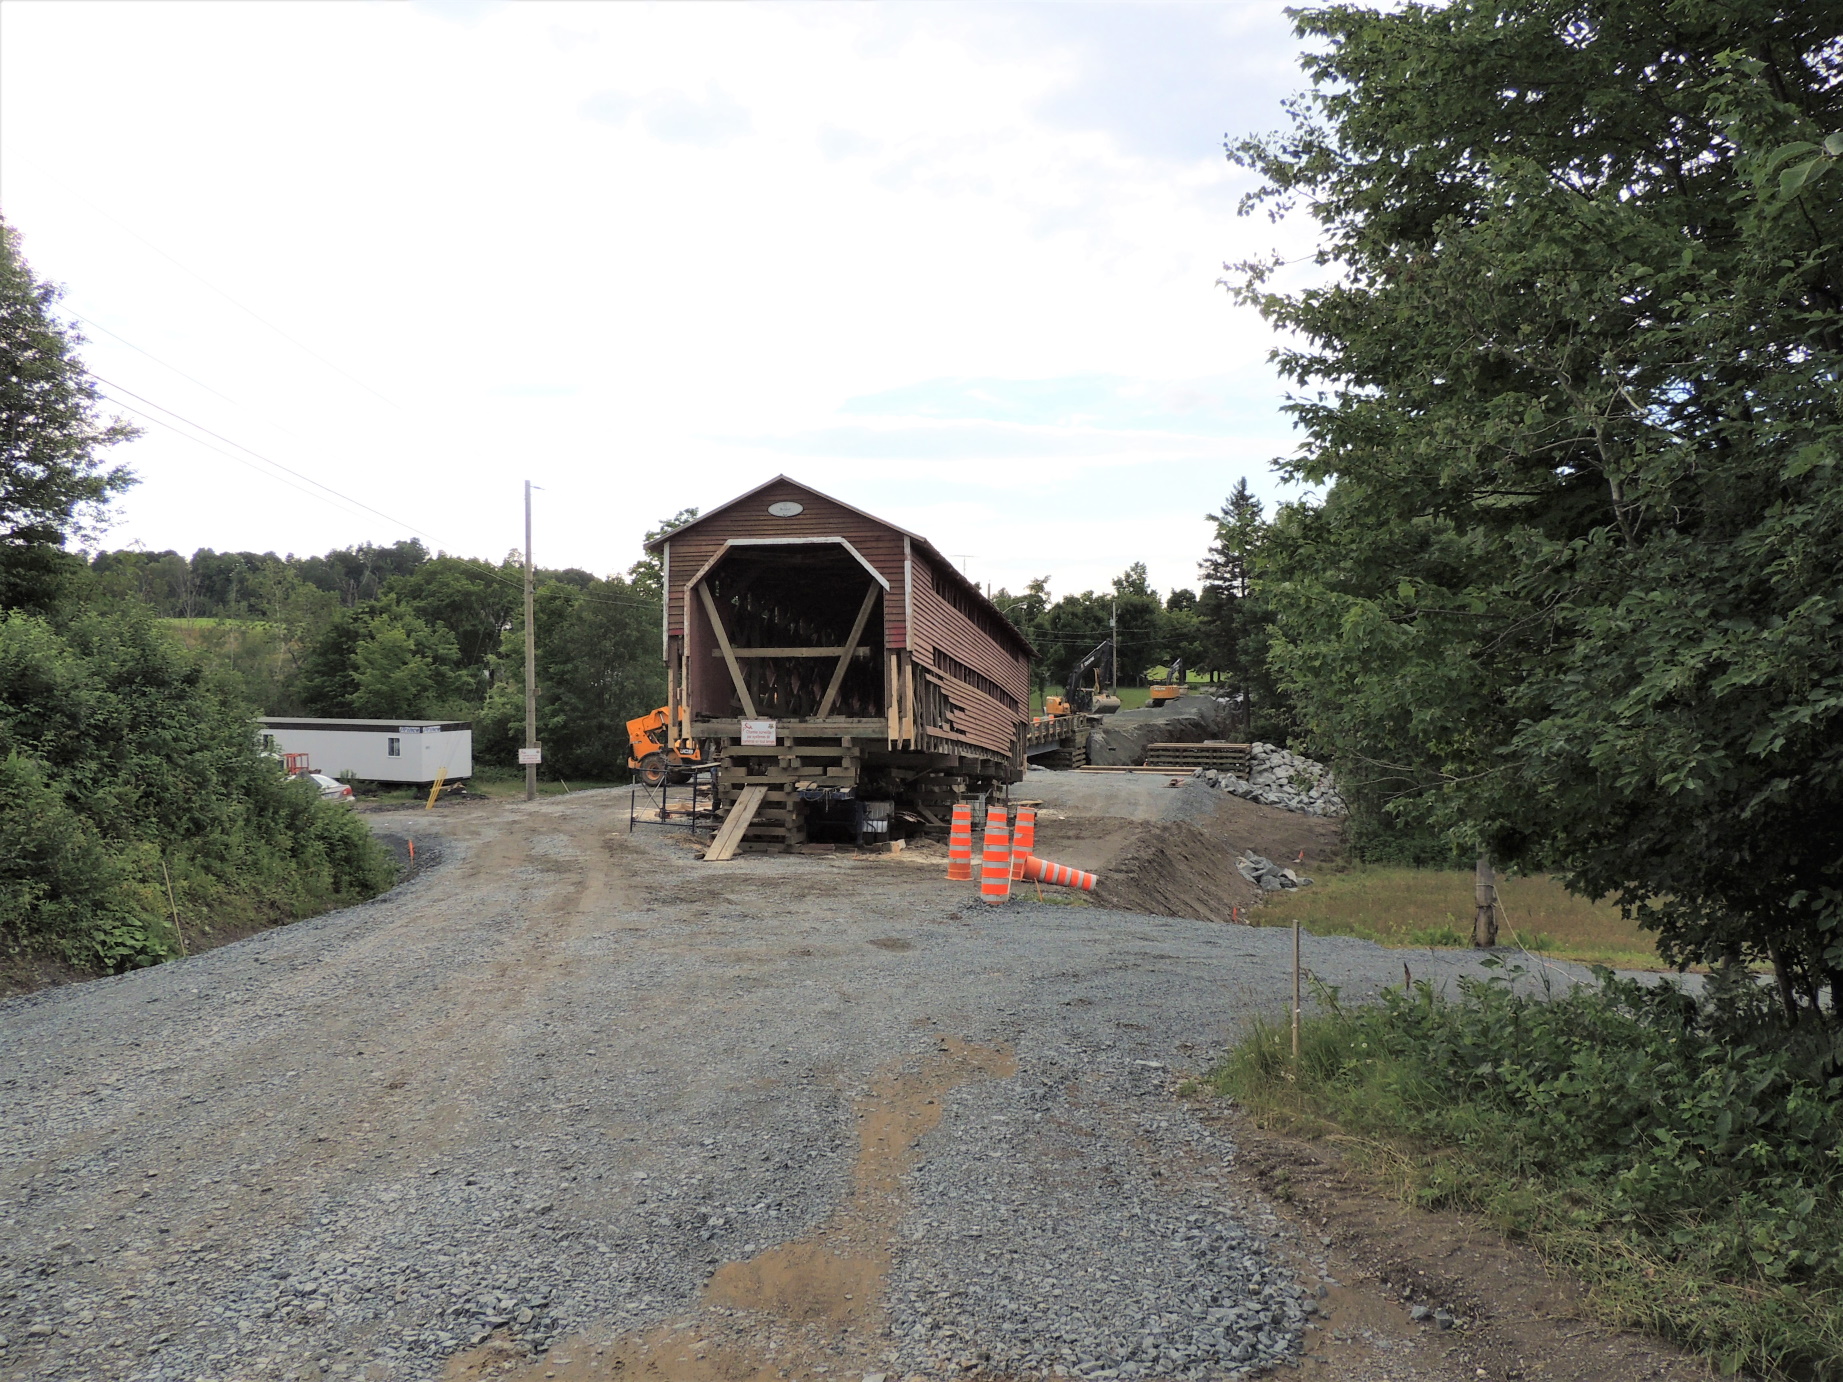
{"x":1023,"y":839}
{"x":960,"y":845}
{"x":1061,"y":875}
{"x":995,"y":868}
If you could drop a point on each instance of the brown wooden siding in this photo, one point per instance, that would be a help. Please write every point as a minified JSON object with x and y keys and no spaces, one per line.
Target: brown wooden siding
{"x":971,"y":671}
{"x":878,"y":543}
{"x":943,"y":626}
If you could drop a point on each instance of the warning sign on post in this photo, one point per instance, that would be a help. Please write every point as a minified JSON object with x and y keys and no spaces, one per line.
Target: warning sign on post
{"x":758,"y":732}
{"x":526,"y":756}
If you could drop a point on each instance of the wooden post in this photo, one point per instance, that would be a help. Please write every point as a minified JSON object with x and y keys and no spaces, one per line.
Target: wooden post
{"x":1484,"y":916}
{"x":1295,"y":995}
{"x":531,"y":660}
{"x":891,"y":698}
{"x":173,"y":902}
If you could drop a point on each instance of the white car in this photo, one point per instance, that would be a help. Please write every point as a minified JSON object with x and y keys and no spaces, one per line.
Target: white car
{"x":331,"y":788}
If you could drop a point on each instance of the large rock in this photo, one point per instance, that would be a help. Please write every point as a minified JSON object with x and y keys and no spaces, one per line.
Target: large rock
{"x":1279,"y":778}
{"x":1122,"y":739}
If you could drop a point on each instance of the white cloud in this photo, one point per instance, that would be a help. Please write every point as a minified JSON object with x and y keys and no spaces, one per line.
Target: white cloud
{"x":933,"y":257}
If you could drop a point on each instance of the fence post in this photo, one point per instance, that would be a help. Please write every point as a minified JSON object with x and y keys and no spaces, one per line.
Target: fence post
{"x":1484,"y":915}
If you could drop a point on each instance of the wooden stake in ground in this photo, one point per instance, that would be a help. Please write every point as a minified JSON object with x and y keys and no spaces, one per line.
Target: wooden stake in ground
{"x":531,"y":661}
{"x":1295,"y":993}
{"x":173,"y":902}
{"x":1484,"y":917}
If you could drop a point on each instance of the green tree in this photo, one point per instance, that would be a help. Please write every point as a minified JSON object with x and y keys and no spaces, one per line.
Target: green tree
{"x":598,"y":666}
{"x":379,"y":660}
{"x":1571,"y":593}
{"x":647,"y":576}
{"x":474,"y":601}
{"x":1182,"y":633}
{"x":358,"y":574}
{"x":122,"y":765}
{"x":54,"y":483}
{"x":1138,"y":614}
{"x":1026,"y":615}
{"x":1237,"y":621}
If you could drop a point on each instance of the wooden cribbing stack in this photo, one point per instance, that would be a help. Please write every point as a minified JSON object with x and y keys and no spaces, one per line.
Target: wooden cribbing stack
{"x":1213,"y":753}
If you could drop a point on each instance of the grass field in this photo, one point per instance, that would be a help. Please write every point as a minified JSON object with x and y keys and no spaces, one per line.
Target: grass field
{"x":1409,"y":907}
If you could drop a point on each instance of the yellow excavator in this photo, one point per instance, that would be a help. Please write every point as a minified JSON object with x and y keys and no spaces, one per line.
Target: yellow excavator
{"x":1171,"y":687}
{"x":1079,"y":699}
{"x":650,"y":750}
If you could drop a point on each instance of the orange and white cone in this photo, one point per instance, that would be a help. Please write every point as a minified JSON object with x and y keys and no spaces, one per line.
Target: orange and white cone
{"x":1061,"y":875}
{"x":995,"y":868}
{"x":1023,"y":840}
{"x":960,"y":845}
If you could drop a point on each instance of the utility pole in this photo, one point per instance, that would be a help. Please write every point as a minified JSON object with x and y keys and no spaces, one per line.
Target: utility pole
{"x":531,"y":666}
{"x":1113,"y":663}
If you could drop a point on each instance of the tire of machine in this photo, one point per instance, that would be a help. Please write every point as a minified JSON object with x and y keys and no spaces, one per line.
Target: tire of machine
{"x":653,"y":769}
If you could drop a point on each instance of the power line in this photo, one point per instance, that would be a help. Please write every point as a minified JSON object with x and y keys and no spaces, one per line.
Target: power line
{"x":489,"y":570}
{"x":155,"y":358}
{"x":259,"y":456}
{"x":187,"y":269}
{"x":162,"y":422}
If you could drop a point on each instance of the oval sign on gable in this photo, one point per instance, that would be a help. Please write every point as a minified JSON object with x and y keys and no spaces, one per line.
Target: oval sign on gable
{"x":786,"y":509}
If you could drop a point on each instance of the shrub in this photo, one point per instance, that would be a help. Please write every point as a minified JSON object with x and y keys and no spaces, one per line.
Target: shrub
{"x":1685,"y":1156}
{"x":122,"y":767}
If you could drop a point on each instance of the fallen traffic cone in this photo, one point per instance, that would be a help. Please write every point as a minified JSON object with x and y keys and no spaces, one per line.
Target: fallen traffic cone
{"x":995,"y":868}
{"x":1023,"y":839}
{"x":960,"y":845}
{"x":1061,"y":875}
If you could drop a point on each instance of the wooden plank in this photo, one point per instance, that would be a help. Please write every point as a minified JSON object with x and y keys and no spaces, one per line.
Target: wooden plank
{"x":787,"y":751}
{"x":834,"y":729}
{"x":851,"y":647}
{"x":786,"y":652}
{"x":729,"y":654}
{"x":889,"y":697}
{"x":741,"y":815}
{"x":834,"y":779}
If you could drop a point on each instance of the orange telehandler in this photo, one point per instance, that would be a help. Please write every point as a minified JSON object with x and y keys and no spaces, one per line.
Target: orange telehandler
{"x":650,"y":750}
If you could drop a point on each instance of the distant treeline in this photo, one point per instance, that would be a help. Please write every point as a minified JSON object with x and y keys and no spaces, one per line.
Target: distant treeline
{"x":399,"y":632}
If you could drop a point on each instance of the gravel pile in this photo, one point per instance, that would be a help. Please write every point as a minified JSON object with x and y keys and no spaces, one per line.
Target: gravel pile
{"x":1006,"y":1270}
{"x":1279,"y":778}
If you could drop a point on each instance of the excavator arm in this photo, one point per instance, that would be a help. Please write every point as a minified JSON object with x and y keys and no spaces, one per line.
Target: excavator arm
{"x":1099,"y":660}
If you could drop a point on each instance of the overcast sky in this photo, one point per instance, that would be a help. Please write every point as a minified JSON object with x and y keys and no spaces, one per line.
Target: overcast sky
{"x":954,"y":263}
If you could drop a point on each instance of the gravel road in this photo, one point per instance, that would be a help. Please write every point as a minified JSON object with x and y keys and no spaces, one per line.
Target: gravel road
{"x":576,"y":1095}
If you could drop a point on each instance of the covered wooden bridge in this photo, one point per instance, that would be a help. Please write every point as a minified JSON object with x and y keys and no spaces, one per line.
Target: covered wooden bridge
{"x":837,"y":665}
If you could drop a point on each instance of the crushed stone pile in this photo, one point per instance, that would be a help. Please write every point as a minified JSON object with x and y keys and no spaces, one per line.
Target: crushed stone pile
{"x":1268,"y":876}
{"x":1278,"y":778}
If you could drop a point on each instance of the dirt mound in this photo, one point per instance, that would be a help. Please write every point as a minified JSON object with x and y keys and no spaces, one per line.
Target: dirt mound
{"x":1175,"y":870}
{"x":1185,"y":868}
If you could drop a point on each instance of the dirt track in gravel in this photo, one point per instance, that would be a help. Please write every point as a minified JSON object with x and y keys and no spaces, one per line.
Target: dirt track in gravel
{"x":577,"y":1097}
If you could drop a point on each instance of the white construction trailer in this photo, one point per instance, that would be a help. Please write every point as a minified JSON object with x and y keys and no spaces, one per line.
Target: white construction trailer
{"x":376,"y":750}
